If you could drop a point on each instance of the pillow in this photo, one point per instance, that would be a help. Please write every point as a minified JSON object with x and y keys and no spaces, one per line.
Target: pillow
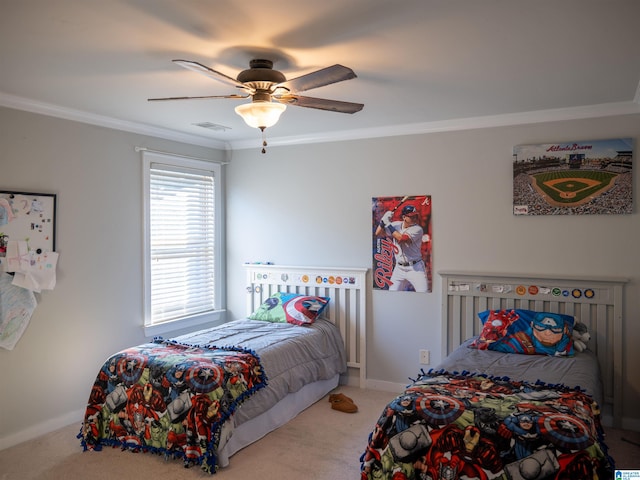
{"x":292,"y":308}
{"x":526,"y":332}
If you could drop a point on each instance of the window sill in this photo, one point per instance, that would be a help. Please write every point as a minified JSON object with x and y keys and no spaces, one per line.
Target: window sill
{"x":186,"y":324}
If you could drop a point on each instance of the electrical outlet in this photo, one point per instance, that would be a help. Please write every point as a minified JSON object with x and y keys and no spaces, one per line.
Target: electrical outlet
{"x":424,"y":357}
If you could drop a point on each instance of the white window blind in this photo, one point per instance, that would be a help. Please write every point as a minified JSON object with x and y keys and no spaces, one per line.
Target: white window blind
{"x":182,"y":242}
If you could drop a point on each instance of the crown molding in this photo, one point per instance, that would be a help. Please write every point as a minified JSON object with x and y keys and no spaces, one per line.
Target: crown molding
{"x":523,"y":118}
{"x":490,"y":121}
{"x":33,"y":106}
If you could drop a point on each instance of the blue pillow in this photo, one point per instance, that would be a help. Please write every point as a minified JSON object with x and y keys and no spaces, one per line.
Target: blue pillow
{"x":526,"y":332}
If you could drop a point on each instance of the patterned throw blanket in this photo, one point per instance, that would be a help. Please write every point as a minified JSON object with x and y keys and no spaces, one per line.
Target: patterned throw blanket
{"x":170,"y":398}
{"x":452,"y":427}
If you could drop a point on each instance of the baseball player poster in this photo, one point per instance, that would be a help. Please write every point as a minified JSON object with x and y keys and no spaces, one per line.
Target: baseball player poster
{"x":402,"y":240}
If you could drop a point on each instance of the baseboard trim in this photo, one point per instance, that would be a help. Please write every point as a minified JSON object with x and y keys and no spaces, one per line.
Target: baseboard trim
{"x":632,"y":424}
{"x":386,"y":386}
{"x":43,"y":428}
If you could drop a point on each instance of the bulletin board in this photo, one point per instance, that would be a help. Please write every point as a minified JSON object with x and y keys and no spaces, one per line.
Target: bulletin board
{"x":29,"y":217}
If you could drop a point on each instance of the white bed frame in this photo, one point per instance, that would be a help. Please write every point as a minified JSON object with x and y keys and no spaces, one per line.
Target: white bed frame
{"x":346,"y":286}
{"x":596,"y":302}
{"x":347,"y":310}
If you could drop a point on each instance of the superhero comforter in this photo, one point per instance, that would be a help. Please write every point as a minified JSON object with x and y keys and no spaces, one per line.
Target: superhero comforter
{"x":170,"y":398}
{"x":463,"y":426}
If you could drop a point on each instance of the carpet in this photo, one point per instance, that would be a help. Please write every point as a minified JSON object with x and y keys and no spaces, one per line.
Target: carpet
{"x":320,"y":443}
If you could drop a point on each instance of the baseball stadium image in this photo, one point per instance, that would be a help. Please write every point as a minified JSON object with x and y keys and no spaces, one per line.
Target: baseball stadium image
{"x":574,"y":178}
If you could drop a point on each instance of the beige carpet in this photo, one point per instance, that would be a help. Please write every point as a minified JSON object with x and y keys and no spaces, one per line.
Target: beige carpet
{"x":320,"y":443}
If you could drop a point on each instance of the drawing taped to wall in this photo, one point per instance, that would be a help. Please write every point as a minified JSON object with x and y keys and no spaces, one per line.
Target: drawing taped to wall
{"x":573,"y":178}
{"x":402,"y":243}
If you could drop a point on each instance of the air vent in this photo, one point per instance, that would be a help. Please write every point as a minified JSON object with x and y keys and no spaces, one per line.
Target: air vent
{"x":212,"y":126}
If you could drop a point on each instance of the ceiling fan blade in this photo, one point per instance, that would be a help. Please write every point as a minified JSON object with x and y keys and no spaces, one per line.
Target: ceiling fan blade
{"x":209,"y":72}
{"x":319,"y":78}
{"x":196,"y":98}
{"x":320,"y":103}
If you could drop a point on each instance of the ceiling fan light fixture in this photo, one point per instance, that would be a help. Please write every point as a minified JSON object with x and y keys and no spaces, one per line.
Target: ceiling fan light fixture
{"x":260,"y":114}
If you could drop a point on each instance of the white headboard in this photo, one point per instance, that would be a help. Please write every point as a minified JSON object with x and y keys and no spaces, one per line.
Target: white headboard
{"x":346,"y":286}
{"x":596,"y":302}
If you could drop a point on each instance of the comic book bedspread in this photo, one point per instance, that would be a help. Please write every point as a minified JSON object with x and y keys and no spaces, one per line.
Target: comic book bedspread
{"x":450,"y":427}
{"x":170,"y":398}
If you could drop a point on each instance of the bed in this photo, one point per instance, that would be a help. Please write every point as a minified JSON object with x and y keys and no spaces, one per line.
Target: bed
{"x":203,"y":396}
{"x":504,"y":403}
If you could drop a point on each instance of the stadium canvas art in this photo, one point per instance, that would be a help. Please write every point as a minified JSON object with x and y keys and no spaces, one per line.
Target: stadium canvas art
{"x":402,"y":243}
{"x":573,"y":178}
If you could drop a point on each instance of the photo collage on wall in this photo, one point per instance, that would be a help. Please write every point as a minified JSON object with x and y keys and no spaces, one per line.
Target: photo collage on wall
{"x":402,"y":243}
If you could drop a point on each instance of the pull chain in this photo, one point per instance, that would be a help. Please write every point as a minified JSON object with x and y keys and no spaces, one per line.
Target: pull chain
{"x":264,"y":141}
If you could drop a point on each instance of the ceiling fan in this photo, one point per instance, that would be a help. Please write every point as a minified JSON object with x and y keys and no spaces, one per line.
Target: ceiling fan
{"x":270,"y":91}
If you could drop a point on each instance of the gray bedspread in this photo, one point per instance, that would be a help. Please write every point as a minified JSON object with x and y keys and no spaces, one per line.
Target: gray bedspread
{"x":291,"y":355}
{"x":581,"y":370}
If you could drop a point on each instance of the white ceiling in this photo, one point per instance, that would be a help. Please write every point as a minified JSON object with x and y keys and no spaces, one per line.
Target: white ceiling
{"x":422,"y":65}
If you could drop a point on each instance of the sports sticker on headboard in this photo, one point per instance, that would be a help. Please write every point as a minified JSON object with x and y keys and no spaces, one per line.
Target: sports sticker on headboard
{"x":28,"y":217}
{"x":335,"y":279}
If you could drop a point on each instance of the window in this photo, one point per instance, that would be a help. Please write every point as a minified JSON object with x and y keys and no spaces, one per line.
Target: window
{"x":183,"y":257}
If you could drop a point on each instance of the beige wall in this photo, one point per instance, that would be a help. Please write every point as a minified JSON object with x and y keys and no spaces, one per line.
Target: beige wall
{"x":312,"y":205}
{"x":295,"y":205}
{"x":96,"y":306}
